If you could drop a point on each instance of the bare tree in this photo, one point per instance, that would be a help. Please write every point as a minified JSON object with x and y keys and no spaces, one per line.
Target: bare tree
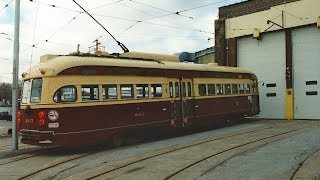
{"x":5,"y":93}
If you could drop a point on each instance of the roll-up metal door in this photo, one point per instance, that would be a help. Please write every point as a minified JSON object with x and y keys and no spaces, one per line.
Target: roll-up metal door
{"x":267,"y":58}
{"x":306,"y":72}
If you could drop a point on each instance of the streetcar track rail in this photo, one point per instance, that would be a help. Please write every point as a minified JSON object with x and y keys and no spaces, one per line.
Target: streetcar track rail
{"x":302,"y":162}
{"x":198,"y":161}
{"x":142,"y":157}
{"x":17,"y":158}
{"x":34,"y":172}
{"x":104,"y":168}
{"x":46,"y":167}
{"x":237,"y":154}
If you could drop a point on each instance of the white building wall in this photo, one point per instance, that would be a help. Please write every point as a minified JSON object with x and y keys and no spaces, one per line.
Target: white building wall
{"x":295,"y":14}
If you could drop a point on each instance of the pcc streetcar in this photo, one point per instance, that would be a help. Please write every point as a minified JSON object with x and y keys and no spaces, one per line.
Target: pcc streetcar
{"x":85,"y":99}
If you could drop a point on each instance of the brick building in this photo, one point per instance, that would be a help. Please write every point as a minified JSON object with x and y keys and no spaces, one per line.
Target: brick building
{"x":279,"y":41}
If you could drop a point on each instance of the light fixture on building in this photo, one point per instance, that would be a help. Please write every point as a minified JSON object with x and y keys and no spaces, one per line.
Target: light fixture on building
{"x":256,"y":33}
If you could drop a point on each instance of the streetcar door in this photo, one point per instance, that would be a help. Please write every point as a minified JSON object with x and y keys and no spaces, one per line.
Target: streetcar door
{"x":186,"y":102}
{"x":174,"y":93}
{"x":181,"y":102}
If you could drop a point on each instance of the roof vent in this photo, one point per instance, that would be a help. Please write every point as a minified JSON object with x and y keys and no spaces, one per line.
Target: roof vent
{"x":47,"y":57}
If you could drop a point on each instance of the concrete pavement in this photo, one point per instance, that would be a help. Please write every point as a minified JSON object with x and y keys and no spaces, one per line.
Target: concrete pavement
{"x":5,"y":127}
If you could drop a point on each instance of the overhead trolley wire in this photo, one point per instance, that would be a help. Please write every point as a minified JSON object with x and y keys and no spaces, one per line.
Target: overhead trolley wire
{"x":6,"y":6}
{"x":136,"y":21}
{"x":122,"y":46}
{"x":171,"y":12}
{"x":34,"y":34}
{"x":178,"y":12}
{"x":113,"y":17}
{"x":62,"y":27}
{"x":197,"y":7}
{"x":68,"y":9}
{"x":115,"y":2}
{"x":144,"y":21}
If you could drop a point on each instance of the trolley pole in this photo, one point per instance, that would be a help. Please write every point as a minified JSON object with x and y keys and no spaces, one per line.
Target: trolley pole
{"x":15,"y":79}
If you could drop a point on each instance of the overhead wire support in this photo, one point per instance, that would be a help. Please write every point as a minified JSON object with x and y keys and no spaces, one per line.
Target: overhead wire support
{"x":176,"y":13}
{"x":123,"y":47}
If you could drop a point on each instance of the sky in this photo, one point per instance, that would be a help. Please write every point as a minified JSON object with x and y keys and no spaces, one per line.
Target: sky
{"x":57,"y":26}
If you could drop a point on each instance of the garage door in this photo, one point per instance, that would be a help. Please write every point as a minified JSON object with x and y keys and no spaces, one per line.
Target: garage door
{"x":266,"y":58}
{"x":306,"y":72}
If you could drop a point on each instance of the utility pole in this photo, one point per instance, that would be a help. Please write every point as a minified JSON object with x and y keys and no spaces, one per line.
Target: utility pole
{"x":15,"y":89}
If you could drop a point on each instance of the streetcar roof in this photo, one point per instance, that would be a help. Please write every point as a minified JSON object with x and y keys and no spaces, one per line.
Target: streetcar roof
{"x":52,"y":65}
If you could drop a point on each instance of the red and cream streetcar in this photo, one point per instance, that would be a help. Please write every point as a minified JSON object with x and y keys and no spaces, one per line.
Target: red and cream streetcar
{"x":89,"y":99}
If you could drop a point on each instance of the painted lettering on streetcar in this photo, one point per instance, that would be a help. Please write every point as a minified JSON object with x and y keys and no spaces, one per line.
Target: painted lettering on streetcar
{"x":139,"y":114}
{"x":29,"y":121}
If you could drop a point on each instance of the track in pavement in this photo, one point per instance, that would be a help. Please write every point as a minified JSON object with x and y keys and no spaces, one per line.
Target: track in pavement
{"x":183,"y":158}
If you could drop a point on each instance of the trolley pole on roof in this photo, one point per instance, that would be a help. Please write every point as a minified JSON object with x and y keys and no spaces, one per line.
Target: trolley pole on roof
{"x":15,"y":79}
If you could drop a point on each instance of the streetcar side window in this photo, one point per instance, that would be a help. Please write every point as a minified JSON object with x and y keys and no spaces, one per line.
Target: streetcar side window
{"x":142,"y":91}
{"x":202,"y":89}
{"x":247,"y":88}
{"x":189,"y":89}
{"x":234,"y":88}
{"x":109,"y":92}
{"x":171,"y":89}
{"x":227,"y":88}
{"x":65,"y":94}
{"x":211,"y":89}
{"x":177,"y":89}
{"x":90,"y":92}
{"x":156,"y":90}
{"x":126,"y":91}
{"x":36,"y":90}
{"x":241,"y":88}
{"x":219,"y":89}
{"x":184,"y":91}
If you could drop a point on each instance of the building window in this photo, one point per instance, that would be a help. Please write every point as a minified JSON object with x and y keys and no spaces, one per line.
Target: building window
{"x":126,"y":91}
{"x":142,"y":91}
{"x":202,"y":89}
{"x":90,"y":92}
{"x":271,"y":94}
{"x":109,"y":92}
{"x":271,"y":85}
{"x":311,"y":82}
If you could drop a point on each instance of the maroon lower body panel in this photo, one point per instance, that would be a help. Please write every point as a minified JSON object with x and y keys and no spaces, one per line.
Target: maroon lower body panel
{"x":93,"y":125}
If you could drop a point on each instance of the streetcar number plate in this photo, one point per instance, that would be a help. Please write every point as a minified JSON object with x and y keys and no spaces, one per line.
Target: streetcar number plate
{"x":53,"y":125}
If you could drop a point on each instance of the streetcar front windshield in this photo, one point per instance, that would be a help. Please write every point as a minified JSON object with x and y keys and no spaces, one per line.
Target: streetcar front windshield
{"x":36,"y":90}
{"x":26,"y":91}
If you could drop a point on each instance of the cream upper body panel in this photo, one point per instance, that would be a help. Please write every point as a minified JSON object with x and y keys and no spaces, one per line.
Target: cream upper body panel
{"x":52,"y":65}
